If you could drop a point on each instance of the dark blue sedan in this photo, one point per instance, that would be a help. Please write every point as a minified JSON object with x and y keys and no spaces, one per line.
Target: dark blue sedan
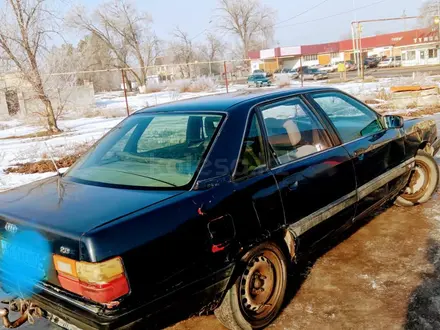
{"x":206,"y":202}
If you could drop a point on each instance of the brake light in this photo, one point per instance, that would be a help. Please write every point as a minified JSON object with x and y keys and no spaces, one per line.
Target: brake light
{"x":102,"y":282}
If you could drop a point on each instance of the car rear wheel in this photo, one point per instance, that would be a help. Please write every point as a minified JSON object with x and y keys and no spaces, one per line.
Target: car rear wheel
{"x":422,"y":183}
{"x":256,"y":297}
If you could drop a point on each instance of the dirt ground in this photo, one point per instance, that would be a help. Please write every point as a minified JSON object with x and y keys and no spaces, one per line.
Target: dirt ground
{"x":385,"y":275}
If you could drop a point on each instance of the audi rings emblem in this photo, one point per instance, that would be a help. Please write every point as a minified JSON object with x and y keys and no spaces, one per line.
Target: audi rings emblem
{"x":10,"y":227}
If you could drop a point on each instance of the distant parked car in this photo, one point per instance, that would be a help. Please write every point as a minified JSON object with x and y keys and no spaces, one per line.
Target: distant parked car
{"x":260,"y":72}
{"x":328,"y":68}
{"x":370,"y":62}
{"x":349,"y":65}
{"x":314,"y":74}
{"x":258,"y":80}
{"x":291,"y":73}
{"x":390,"y":62}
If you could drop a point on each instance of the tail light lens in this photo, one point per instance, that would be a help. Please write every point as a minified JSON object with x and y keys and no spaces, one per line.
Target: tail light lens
{"x":102,"y":282}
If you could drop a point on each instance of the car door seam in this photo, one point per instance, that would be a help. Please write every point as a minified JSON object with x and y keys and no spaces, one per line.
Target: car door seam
{"x":326,"y":212}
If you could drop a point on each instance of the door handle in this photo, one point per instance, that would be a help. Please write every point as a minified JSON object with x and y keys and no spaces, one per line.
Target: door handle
{"x":293,"y":186}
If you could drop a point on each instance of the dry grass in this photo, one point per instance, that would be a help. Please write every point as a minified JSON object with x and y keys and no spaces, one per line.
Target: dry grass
{"x":31,"y":135}
{"x":382,"y":94}
{"x":46,"y":164}
{"x":428,"y":110}
{"x":372,"y":101}
{"x":42,"y":166}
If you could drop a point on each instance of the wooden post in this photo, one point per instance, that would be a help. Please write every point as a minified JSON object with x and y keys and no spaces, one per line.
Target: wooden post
{"x":125,"y":92}
{"x":226,"y":77}
{"x":302,"y":74}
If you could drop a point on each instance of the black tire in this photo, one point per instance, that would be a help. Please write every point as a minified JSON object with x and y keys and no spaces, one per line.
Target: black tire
{"x":256,"y":297}
{"x":423,"y":181}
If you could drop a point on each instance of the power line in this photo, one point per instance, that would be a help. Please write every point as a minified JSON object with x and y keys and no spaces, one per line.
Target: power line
{"x":334,"y":15}
{"x":302,"y":13}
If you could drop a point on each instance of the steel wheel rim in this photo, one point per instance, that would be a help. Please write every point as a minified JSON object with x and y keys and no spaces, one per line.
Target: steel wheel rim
{"x":419,"y":181}
{"x":260,"y":287}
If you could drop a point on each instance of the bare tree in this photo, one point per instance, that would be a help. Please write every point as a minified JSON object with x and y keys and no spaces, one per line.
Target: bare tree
{"x":25,"y":28}
{"x":249,"y":20}
{"x":183,"y":50}
{"x":126,"y":31}
{"x":94,"y":54}
{"x":212,"y":50}
{"x":428,"y":11}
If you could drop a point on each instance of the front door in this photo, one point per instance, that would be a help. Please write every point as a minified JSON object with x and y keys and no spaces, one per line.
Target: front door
{"x":315,"y":178}
{"x":377,"y":152}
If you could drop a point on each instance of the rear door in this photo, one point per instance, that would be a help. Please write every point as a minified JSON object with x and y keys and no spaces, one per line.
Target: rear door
{"x":378,"y":153}
{"x":315,"y":177}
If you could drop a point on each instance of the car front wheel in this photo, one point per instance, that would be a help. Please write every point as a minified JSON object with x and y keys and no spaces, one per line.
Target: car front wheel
{"x":256,"y":297}
{"x":423,"y":181}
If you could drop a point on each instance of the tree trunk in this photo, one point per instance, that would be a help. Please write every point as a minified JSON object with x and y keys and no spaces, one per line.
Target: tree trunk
{"x":51,"y":121}
{"x":127,"y":82}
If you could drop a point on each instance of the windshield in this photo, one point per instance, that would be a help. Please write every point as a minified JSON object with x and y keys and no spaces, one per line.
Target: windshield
{"x":149,"y":150}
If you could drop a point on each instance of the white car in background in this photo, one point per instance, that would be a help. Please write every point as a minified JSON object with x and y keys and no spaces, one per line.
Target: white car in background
{"x":390,"y":62}
{"x":329,"y":68}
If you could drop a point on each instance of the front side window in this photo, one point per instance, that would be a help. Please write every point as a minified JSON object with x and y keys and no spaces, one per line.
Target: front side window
{"x":149,"y":150}
{"x":292,"y":130}
{"x":351,"y":118}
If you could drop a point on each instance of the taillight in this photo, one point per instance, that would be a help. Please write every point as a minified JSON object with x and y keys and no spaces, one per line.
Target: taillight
{"x":99,"y":281}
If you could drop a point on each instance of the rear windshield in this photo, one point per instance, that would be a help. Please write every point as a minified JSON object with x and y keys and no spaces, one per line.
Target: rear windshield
{"x":149,"y":150}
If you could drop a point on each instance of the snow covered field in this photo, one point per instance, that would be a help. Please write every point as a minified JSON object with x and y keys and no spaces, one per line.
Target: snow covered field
{"x":84,"y":129}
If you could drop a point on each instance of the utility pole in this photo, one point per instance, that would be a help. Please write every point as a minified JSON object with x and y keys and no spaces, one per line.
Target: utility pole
{"x":358,"y":61}
{"x":361,"y":59}
{"x":353,"y":36}
{"x":357,"y":32}
{"x":404,"y":20}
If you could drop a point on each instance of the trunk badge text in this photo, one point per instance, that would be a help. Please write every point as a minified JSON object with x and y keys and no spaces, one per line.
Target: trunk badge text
{"x":10,"y":227}
{"x":64,"y":250}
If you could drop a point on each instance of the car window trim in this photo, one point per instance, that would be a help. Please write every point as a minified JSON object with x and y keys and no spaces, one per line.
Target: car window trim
{"x":324,"y":114}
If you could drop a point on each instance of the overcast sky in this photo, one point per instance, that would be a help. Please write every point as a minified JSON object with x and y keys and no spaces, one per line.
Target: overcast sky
{"x":193,"y":16}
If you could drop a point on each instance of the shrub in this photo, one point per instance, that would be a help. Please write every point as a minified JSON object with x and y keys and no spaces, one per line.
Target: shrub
{"x":154,"y":87}
{"x":283,"y":81}
{"x":181,"y":86}
{"x":202,"y":84}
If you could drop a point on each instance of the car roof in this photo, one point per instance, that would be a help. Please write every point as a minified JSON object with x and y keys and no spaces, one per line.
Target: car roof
{"x":228,"y":101}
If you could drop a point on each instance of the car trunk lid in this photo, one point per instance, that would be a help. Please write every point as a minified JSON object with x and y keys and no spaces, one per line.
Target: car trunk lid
{"x":61,"y":211}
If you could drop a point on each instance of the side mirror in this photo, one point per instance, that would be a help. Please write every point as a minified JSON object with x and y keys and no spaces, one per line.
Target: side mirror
{"x":392,"y":121}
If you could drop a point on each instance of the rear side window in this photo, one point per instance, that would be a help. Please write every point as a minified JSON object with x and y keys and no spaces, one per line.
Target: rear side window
{"x":351,"y":118}
{"x":293,"y":131}
{"x":252,"y":158}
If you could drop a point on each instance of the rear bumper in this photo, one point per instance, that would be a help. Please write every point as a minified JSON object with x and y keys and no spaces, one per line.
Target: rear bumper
{"x":90,"y":316}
